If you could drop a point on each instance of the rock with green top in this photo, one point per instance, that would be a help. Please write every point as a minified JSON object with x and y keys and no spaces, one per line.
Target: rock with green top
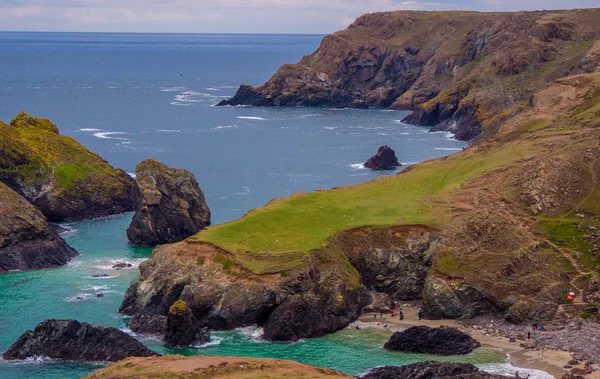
{"x":169,"y":205}
{"x":182,"y":327}
{"x":57,"y":174}
{"x":27,"y":241}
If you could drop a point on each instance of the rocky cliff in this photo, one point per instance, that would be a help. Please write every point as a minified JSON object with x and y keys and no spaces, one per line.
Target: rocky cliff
{"x":431,"y":370}
{"x":455,"y":70}
{"x":27,"y":242}
{"x":169,"y":205}
{"x":63,"y":179}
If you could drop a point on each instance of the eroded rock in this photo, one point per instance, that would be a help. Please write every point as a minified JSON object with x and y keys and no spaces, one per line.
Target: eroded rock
{"x":169,"y":205}
{"x":385,"y":159}
{"x":75,"y":341}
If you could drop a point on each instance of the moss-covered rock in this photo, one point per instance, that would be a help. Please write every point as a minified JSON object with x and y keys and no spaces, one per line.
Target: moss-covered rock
{"x":58,"y":175}
{"x":27,"y":242}
{"x":169,"y":205}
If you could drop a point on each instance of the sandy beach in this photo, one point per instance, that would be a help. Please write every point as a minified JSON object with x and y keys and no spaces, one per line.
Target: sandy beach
{"x":550,"y":361}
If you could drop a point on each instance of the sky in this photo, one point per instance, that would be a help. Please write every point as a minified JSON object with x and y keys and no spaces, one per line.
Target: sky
{"x":229,"y":16}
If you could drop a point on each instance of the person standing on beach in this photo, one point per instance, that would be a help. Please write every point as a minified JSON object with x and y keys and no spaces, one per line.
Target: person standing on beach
{"x":420,"y":314}
{"x":401,"y":314}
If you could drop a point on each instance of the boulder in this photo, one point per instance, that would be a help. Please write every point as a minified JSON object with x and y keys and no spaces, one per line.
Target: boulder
{"x":439,"y":341}
{"x":169,"y":205}
{"x":182,"y":327}
{"x":27,"y":241}
{"x":385,"y":159}
{"x":430,"y":370}
{"x":75,"y":341}
{"x":58,"y":175}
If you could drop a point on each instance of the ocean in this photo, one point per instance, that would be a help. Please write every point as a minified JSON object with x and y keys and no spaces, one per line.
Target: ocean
{"x":129,"y":97}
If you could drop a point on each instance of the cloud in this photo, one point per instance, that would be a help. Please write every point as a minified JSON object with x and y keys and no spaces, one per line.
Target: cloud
{"x":244,"y":16}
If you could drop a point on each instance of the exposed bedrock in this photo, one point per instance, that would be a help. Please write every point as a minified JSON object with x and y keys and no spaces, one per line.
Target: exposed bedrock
{"x":27,"y":241}
{"x":75,"y":341}
{"x":322,"y":293}
{"x":169,"y":205}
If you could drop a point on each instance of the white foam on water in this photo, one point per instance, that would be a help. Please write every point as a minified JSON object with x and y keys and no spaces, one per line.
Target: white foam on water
{"x":251,"y":118}
{"x":132,"y":175}
{"x":172,"y":89}
{"x":180,"y":104}
{"x":405,"y":134}
{"x":89,"y":130}
{"x":95,"y":288}
{"x":225,"y":127}
{"x":246,"y":191}
{"x":108,"y":135}
{"x":102,"y":277}
{"x":169,"y":131}
{"x":509,"y":370}
{"x":330,"y":127}
{"x":358,"y":166}
{"x":212,"y":89}
{"x":126,"y":330}
{"x":107,"y":264}
{"x":253,"y":332}
{"x":450,"y":136}
{"x":80,"y":297}
{"x":382,"y":134}
{"x":214,"y":341}
{"x":448,"y":148}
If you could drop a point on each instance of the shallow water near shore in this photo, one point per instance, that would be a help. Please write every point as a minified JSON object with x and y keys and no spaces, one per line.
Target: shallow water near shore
{"x":128,"y":97}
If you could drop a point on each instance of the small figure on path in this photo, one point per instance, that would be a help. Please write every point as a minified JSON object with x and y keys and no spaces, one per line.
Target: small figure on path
{"x":401,"y":315}
{"x":420,"y":314}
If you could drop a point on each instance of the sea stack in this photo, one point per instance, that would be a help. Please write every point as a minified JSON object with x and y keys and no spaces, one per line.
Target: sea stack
{"x":169,"y":205}
{"x":75,"y":341}
{"x":27,"y":241}
{"x":385,"y":159}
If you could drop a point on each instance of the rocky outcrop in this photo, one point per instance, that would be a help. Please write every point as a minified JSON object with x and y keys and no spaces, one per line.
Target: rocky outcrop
{"x":169,"y":205}
{"x":75,"y":341}
{"x":430,"y":370}
{"x":295,"y":295}
{"x":27,"y":241}
{"x":59,"y":176}
{"x":454,"y":69}
{"x":313,"y":299}
{"x":385,"y":159}
{"x":394,"y":261}
{"x":439,"y":341}
{"x":182,"y":327}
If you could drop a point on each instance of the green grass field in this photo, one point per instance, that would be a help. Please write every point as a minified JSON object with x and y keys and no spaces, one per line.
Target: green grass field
{"x":305,"y":221}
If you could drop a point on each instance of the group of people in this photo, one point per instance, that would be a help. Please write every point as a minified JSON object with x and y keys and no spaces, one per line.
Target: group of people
{"x":399,"y":314}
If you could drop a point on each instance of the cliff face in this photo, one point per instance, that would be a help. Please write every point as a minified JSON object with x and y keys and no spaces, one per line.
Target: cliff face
{"x":454,"y":69}
{"x":292,"y":296}
{"x":169,"y":205}
{"x":26,"y":240}
{"x":63,"y":179}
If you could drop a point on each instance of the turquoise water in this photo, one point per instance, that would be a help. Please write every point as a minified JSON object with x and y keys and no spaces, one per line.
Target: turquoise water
{"x":28,"y":298}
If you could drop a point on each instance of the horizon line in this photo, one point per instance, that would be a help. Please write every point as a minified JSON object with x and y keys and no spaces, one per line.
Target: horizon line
{"x":205,"y":33}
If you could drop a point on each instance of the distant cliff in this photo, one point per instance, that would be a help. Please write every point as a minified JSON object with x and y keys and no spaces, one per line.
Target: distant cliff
{"x":454,"y":69}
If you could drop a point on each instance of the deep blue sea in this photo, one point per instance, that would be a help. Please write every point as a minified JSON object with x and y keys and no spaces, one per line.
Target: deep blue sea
{"x":129,"y":97}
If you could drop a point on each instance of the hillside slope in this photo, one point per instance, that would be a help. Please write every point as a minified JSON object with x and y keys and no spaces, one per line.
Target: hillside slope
{"x":58,"y":175}
{"x":455,"y":69}
{"x":507,"y":226}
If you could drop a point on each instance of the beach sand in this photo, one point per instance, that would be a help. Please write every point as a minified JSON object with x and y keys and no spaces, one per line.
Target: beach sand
{"x":550,"y":361}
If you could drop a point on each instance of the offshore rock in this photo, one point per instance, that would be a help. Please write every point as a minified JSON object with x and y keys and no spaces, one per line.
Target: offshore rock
{"x":169,"y":205}
{"x":439,"y":341}
{"x":430,"y":370}
{"x":27,"y":241}
{"x":182,"y":327}
{"x":75,"y":341}
{"x":385,"y":159}
{"x":58,"y":175}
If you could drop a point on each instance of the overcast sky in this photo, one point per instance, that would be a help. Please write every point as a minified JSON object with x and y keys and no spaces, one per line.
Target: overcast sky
{"x":228,"y":16}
